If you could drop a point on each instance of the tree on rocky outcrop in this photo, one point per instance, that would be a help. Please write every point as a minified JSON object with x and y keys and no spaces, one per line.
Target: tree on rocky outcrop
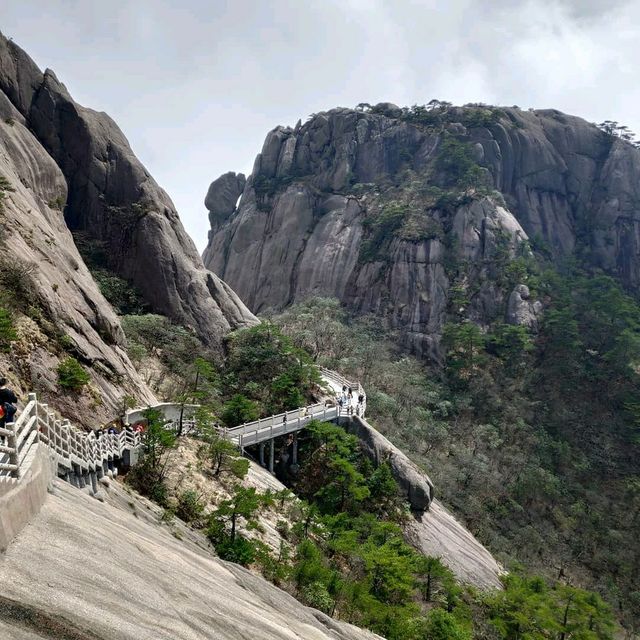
{"x":148,"y":475}
{"x":226,"y":518}
{"x":219,"y":452}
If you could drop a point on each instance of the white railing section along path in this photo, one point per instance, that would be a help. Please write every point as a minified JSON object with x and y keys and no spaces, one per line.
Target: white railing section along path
{"x":80,"y":453}
{"x":73,"y":449}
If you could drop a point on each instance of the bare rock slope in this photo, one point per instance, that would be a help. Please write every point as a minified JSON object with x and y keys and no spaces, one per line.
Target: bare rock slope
{"x":94,"y":571}
{"x":107,"y":193}
{"x":67,"y":309}
{"x":432,"y":198}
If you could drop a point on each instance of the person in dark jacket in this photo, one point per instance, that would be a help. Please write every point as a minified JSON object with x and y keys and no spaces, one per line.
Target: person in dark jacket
{"x":8,"y":400}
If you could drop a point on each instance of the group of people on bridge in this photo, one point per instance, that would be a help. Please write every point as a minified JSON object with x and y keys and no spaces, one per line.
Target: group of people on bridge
{"x":347,"y":401}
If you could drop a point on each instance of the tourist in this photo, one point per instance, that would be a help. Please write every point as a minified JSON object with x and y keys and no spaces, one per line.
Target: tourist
{"x":7,"y":403}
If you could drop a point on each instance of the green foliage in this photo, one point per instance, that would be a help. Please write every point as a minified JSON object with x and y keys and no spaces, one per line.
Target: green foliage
{"x":442,"y":625}
{"x":148,"y":476}
{"x":238,"y":550}
{"x":266,"y":187}
{"x":529,"y":608}
{"x":531,"y":438}
{"x":464,"y":343}
{"x":510,"y":343}
{"x":265,"y":367}
{"x":7,"y":331}
{"x":223,"y":522}
{"x":72,"y":375}
{"x":57,"y":203}
{"x":221,"y":454}
{"x":456,"y":165}
{"x":174,"y":345}
{"x":189,"y":506}
{"x":317,"y":595}
{"x":122,"y":295}
{"x":239,"y":409}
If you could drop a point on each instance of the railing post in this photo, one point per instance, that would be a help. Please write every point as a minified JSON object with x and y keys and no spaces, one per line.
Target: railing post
{"x":12,"y":441}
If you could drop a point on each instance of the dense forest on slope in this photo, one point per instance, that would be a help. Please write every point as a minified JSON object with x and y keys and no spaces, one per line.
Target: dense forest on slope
{"x":532,"y":439}
{"x":499,"y":247}
{"x":342,"y":549}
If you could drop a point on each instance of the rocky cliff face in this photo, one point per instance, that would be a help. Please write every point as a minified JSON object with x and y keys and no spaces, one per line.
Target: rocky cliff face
{"x":107,"y":193}
{"x":64,"y":168}
{"x":89,"y":569}
{"x":398,"y":212}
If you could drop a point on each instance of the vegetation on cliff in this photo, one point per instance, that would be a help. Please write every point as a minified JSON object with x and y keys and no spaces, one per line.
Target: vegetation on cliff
{"x":532,"y":439}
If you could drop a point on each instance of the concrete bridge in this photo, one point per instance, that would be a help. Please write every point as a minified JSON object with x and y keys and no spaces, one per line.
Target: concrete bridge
{"x":82,"y":458}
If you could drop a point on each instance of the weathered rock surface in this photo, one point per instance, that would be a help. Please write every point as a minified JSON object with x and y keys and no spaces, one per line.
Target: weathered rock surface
{"x":36,"y":238}
{"x":432,"y":529}
{"x":222,"y":197}
{"x":437,"y":533}
{"x":301,"y":222}
{"x":110,"y":196}
{"x":416,"y":485}
{"x":95,"y":568}
{"x":521,"y":310}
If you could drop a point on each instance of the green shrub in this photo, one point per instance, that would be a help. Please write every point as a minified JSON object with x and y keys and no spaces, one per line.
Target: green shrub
{"x":189,"y":507}
{"x":239,"y":410}
{"x":71,"y":375}
{"x":316,"y":595}
{"x":456,"y":164}
{"x":239,"y":550}
{"x":176,"y":347}
{"x":57,"y":203}
{"x":7,"y":330}
{"x":122,"y":295}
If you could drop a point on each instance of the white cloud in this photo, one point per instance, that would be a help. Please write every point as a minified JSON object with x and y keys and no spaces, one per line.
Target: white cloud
{"x":196,"y":85}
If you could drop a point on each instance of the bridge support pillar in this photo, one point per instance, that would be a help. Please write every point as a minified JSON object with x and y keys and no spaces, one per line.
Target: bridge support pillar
{"x":94,"y":481}
{"x":294,"y":449}
{"x":272,"y":455}
{"x":261,"y":457}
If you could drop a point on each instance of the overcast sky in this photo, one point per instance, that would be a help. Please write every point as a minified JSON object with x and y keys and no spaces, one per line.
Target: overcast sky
{"x":196,"y":84}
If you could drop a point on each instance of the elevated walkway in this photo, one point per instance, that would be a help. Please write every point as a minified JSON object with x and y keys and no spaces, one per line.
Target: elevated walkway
{"x":39,"y":445}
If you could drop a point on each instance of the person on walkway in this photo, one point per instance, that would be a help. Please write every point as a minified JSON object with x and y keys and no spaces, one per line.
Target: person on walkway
{"x":349,"y":405}
{"x":360,"y":404}
{"x":340,"y":405}
{"x":8,"y":400}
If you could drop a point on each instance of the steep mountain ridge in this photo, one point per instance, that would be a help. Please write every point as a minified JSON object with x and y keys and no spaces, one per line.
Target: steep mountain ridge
{"x":67,"y":174}
{"x":462,"y":180}
{"x":112,"y":198}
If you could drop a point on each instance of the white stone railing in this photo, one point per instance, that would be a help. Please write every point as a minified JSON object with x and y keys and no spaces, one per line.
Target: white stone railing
{"x":81,"y":454}
{"x":173,"y":413}
{"x":39,"y":445}
{"x":72,"y":449}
